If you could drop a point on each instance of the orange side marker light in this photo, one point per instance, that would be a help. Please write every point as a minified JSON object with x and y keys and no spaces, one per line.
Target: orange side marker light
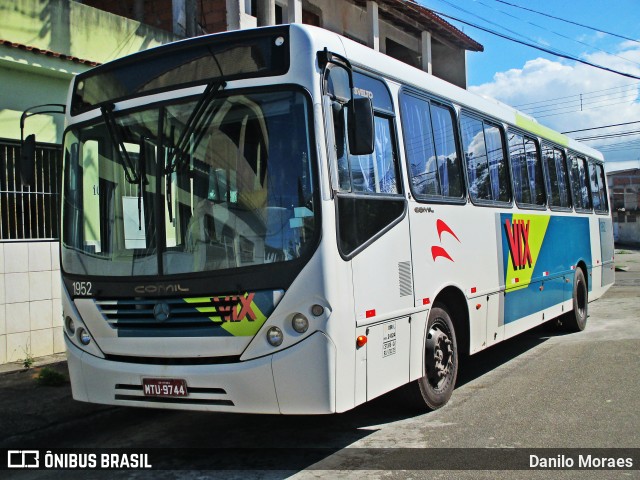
{"x":361,"y":341}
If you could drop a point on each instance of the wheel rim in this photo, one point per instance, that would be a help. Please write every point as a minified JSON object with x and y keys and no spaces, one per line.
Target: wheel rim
{"x":581,"y":299}
{"x":439,"y":355}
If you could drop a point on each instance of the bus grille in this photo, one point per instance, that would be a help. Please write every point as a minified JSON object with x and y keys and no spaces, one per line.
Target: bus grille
{"x":164,"y":317}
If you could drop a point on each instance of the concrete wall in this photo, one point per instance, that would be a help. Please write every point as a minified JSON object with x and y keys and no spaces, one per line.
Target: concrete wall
{"x":62,"y":27}
{"x":30,"y":309}
{"x":25,"y":85}
{"x":350,"y":19}
{"x":449,"y":63}
{"x":346,"y":18}
{"x":75,"y":29}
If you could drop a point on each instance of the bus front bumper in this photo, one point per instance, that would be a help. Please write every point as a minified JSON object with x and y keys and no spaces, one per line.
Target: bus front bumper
{"x":298,"y":380}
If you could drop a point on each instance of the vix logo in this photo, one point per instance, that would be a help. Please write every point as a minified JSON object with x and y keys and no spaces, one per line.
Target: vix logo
{"x":228,"y":309}
{"x":518,"y":237}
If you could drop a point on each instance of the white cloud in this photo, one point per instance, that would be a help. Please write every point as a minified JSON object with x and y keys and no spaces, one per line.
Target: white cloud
{"x":607,"y":98}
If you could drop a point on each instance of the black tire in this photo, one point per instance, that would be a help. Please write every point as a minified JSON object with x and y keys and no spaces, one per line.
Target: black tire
{"x":441,"y":363}
{"x":576,"y":319}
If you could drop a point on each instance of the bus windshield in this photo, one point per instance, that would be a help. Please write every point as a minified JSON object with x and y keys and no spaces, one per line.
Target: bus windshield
{"x":153,"y":192}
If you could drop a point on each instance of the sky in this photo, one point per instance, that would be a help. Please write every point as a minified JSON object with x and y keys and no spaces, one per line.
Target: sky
{"x":560,"y":93}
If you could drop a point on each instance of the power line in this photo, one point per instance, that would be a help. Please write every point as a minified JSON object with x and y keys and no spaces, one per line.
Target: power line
{"x":561,"y":35}
{"x":617,"y":149}
{"x":579,"y":102}
{"x":629,"y":86}
{"x":610,"y":135}
{"x":618,"y":146}
{"x":624,"y":143}
{"x":589,"y":108}
{"x":546,"y":50}
{"x":568,"y":21}
{"x":598,"y":128}
{"x":491,"y":22}
{"x":584,"y":104}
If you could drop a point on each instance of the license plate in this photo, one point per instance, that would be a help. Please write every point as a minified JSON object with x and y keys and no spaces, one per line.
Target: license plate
{"x":164,"y":387}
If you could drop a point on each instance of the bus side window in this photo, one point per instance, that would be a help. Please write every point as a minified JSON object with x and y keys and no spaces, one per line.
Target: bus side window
{"x":374,"y":173}
{"x":363,"y":217}
{"x":486,"y":161}
{"x":430,"y":145}
{"x":377,"y":172}
{"x":598,"y":190}
{"x":557,"y":178}
{"x":527,"y":170}
{"x":602,"y":183}
{"x":580,"y":182}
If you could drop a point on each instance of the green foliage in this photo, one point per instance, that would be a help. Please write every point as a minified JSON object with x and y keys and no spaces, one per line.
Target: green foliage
{"x":28,"y":360}
{"x":50,"y":378}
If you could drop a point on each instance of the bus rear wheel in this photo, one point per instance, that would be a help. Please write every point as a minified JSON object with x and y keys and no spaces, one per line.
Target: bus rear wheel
{"x":576,"y":320}
{"x":440,"y":359}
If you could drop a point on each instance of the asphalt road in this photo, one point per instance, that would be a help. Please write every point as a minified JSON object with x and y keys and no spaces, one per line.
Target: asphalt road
{"x":542,"y":389}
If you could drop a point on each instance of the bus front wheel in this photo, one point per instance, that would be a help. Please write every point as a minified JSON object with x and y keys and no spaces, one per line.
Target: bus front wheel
{"x":440,"y":359}
{"x":576,"y":320}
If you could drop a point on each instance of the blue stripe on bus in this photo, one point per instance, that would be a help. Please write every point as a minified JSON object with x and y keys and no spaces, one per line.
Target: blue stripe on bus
{"x":566,"y":242}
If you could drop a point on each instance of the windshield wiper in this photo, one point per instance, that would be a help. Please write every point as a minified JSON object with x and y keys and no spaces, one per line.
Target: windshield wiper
{"x":200,"y":116}
{"x":121,"y":151}
{"x":142,"y":174}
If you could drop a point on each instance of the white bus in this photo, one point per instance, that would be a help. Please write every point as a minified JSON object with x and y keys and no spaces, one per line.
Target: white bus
{"x":282,"y":220}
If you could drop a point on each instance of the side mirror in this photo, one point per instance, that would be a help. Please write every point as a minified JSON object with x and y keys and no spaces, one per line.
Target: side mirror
{"x":360,"y":126}
{"x":28,"y":160}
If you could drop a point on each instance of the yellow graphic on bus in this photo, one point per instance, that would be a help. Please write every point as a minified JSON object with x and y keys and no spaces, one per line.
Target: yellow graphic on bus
{"x":237,"y":314}
{"x":524,"y":234}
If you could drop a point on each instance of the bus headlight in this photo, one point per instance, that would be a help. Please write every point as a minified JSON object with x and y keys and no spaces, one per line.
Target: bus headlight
{"x":84,"y":337}
{"x":275,"y":336}
{"x":71,"y":326}
{"x":300,"y":323}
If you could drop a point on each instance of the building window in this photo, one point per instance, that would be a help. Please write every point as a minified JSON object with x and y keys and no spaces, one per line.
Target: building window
{"x":28,"y":213}
{"x":618,"y":198}
{"x":310,"y":18}
{"x":402,"y":53}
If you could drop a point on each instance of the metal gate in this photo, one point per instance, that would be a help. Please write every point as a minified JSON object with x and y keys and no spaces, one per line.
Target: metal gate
{"x":30,"y":212}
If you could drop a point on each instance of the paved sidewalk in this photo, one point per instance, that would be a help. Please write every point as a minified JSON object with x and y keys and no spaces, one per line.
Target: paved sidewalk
{"x":27,"y":406}
{"x":37,"y":362}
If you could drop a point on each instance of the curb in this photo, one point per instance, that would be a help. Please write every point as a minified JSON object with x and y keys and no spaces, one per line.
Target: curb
{"x":37,"y":362}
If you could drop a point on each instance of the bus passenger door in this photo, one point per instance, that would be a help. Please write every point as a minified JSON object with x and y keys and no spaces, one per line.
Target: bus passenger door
{"x":373,"y":234}
{"x":372,"y":224}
